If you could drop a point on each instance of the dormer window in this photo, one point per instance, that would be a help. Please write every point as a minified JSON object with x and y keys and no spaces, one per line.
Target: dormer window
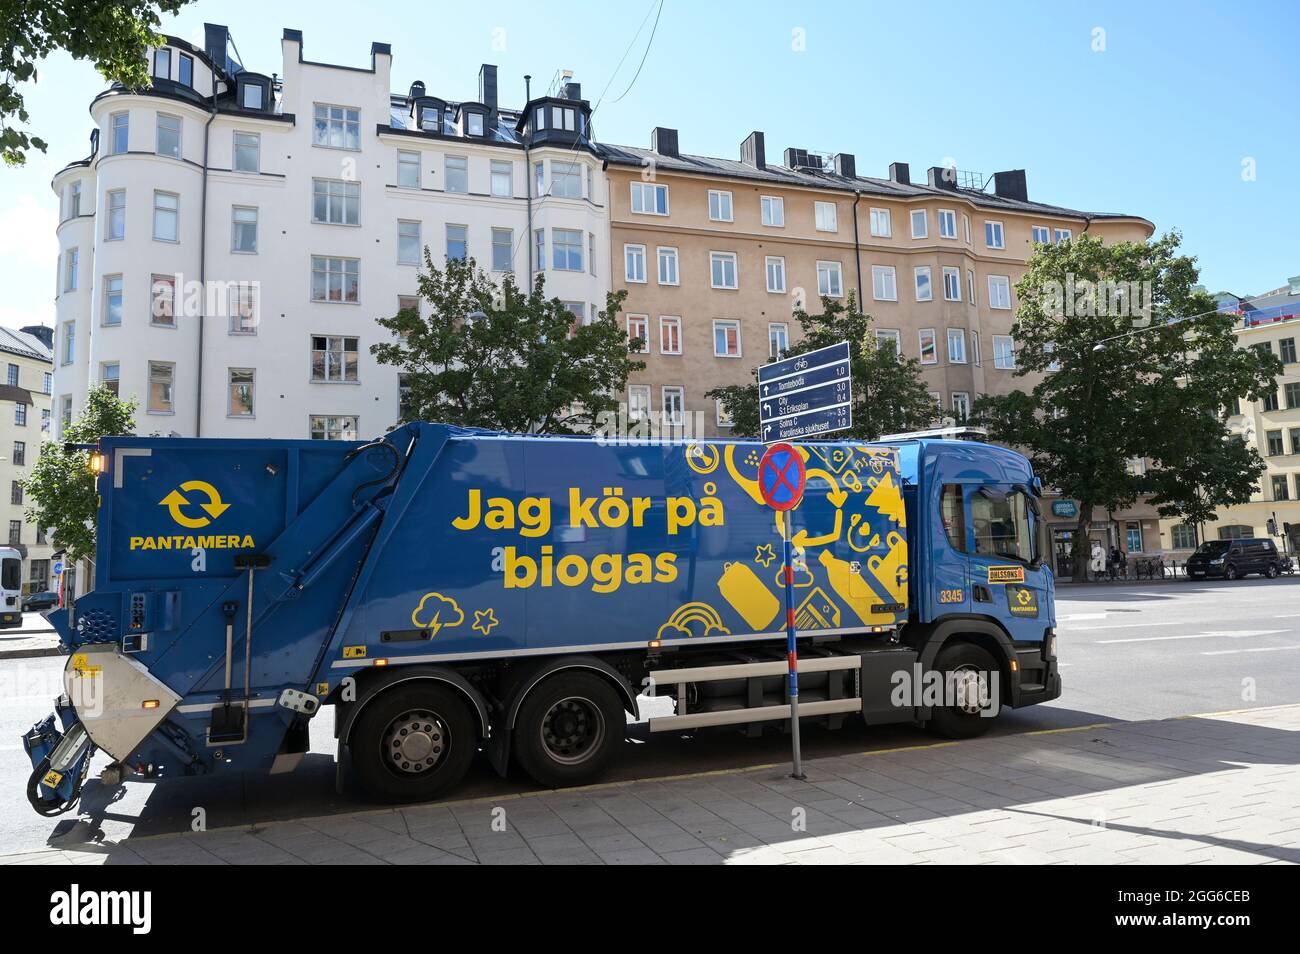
{"x":251,"y":96}
{"x":565,"y":118}
{"x":431,"y":119}
{"x":162,"y":63}
{"x":474,"y":124}
{"x":186,"y":74}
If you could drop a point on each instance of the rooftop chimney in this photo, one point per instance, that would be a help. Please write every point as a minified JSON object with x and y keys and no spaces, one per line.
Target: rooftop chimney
{"x":899,"y":172}
{"x":417,"y":90}
{"x":572,"y":91}
{"x":752,"y":152}
{"x":943,"y":177}
{"x":664,"y":141}
{"x":845,"y":165}
{"x":1010,"y":185}
{"x":215,"y":38}
{"x":487,"y":86}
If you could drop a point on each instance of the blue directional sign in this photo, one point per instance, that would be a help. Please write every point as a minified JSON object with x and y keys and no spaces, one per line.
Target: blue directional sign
{"x":806,"y":396}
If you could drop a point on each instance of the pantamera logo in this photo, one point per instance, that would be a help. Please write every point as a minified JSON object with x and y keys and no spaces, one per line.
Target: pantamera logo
{"x":194,"y":505}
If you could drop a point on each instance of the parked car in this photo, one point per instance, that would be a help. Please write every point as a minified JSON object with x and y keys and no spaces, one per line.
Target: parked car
{"x":1231,"y":559}
{"x":40,"y":601}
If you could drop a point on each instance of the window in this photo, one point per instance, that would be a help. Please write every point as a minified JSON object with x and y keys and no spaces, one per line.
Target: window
{"x":48,"y":382}
{"x":65,"y":413}
{"x":826,"y":217}
{"x":408,"y":242}
{"x":1236,"y":532}
{"x":161,"y":379}
{"x":773,"y":210}
{"x":649,"y":198}
{"x":670,"y":334}
{"x":115,"y":224}
{"x":668,"y":266}
{"x":110,"y":376}
{"x":1001,"y":522}
{"x":566,"y":179}
{"x":638,"y":402}
{"x":722,"y":269}
{"x":999,"y":292}
{"x":186,"y":72}
{"x":924,"y":285}
{"x":1063,"y":235}
{"x":880,"y":225}
{"x":74,"y":200}
{"x":1275,"y":443}
{"x":638,"y":327}
{"x":457,"y":174}
{"x":248,"y":152}
{"x":1270,"y":401}
{"x":591,"y":252}
{"x":1295,"y":440}
{"x":20,"y":413}
{"x":726,"y":338}
{"x":474,"y":124}
{"x":775,"y":267}
{"x":830,"y":281}
{"x":240,"y":388}
{"x":503,"y":178}
{"x":408,"y":303}
{"x":993,"y":235}
{"x":457,"y":242}
{"x":1040,"y":234}
{"x":15,"y":492}
{"x":69,"y":341}
{"x":539,"y":249}
{"x":503,"y":250}
{"x":778,"y":339}
{"x":334,"y":359}
{"x":20,"y":453}
{"x":408,"y":169}
{"x":951,"y":283}
{"x":883,"y":283}
{"x":112,"y":316}
{"x":674,"y":405}
{"x":965,"y":227}
{"x":333,"y":428}
{"x":970,"y":286}
{"x":634,"y":262}
{"x":70,"y":262}
{"x":720,"y":206}
{"x":1281,"y":491}
{"x":336,"y":127}
{"x":920,"y":224}
{"x":1183,"y":537}
{"x":251,"y":96}
{"x":243,"y":309}
{"x":1286,"y":350}
{"x":334,"y":279}
{"x":929,"y":343}
{"x":960,"y":405}
{"x":13,"y":376}
{"x":1292,"y":392}
{"x":243,"y":229}
{"x":166,"y":212}
{"x":890,"y":338}
{"x":169,"y":135}
{"x":947,"y":224}
{"x":118,"y":133}
{"x":1004,"y":352}
{"x":956,"y":346}
{"x":162,"y":300}
{"x":162,"y":63}
{"x":566,"y":250}
{"x":721,"y":416}
{"x":953,"y":512}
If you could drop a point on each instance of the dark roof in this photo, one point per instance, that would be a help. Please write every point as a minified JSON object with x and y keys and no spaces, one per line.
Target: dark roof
{"x":12,"y":392}
{"x":780,"y":175}
{"x":18,"y":342}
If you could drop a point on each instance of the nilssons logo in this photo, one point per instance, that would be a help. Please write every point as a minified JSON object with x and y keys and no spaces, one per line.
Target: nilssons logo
{"x":194,"y":505}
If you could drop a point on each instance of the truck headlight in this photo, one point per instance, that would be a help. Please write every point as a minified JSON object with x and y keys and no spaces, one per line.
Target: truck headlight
{"x":1216,"y":562}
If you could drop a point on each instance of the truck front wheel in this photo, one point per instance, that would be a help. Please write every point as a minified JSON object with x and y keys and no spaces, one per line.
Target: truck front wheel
{"x":569,"y":729}
{"x":413,"y":743}
{"x":968,"y":678}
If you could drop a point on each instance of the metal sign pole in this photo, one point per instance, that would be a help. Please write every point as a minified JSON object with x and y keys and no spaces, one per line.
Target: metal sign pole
{"x":792,"y":651}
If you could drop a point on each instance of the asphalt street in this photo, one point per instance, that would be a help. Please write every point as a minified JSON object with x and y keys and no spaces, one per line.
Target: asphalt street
{"x":1128,"y":652}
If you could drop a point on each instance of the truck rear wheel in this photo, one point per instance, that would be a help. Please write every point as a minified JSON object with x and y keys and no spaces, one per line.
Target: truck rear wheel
{"x":569,"y":729}
{"x":413,"y":743}
{"x":967,"y":671}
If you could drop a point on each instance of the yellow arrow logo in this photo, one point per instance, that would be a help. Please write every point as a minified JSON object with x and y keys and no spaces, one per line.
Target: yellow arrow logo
{"x":175,"y":500}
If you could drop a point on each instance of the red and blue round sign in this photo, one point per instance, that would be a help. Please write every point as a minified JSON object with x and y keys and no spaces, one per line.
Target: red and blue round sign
{"x":781,"y":477}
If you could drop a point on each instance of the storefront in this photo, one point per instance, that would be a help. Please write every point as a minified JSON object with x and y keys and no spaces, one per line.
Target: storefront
{"x":1136,"y":532}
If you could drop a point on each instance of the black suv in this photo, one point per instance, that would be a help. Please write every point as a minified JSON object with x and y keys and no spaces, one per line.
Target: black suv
{"x":1231,"y":559}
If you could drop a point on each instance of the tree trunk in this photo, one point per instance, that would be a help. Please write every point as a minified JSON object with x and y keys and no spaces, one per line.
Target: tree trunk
{"x":1082,"y":547}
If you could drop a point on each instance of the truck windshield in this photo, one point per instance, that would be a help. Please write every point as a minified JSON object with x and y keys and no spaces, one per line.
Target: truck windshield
{"x":11,"y":574}
{"x":1002,"y":524}
{"x":1213,"y":546}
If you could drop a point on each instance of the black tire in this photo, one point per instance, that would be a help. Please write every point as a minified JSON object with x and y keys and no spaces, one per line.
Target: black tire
{"x":569,"y":729}
{"x":1229,"y":572}
{"x":953,"y":721}
{"x":1271,"y":571}
{"x":424,"y":724}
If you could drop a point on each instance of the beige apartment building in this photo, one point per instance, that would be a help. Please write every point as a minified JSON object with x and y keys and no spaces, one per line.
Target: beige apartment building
{"x":1272,"y":426}
{"x":27,"y":364}
{"x":717,"y":254}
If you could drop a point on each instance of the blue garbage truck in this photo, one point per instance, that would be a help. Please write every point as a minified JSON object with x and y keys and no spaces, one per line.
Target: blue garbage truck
{"x":458,"y":593}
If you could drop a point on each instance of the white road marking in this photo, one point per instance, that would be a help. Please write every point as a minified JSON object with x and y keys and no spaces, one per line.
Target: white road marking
{"x":1074,"y":616}
{"x":1254,"y":649}
{"x":1233,"y":634}
{"x":1098,"y":629}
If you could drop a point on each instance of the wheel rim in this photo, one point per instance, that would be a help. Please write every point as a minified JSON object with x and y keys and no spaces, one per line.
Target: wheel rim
{"x":1230,"y":572}
{"x":416,"y":742}
{"x":969,"y":687}
{"x":572,"y":730}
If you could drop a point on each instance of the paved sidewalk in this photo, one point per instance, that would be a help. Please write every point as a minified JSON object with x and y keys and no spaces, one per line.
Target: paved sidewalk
{"x":1222,"y":788}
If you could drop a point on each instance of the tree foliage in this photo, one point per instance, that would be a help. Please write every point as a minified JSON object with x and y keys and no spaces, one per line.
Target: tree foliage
{"x":61,"y":487}
{"x":495,"y":356}
{"x":1115,"y":384}
{"x":888,"y":394}
{"x":115,"y":35}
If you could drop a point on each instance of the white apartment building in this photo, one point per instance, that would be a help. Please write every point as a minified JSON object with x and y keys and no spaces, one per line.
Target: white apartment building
{"x":231,"y":239}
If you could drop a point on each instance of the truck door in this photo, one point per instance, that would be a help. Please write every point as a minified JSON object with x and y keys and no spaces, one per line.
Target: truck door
{"x":1008,"y":579}
{"x":950,"y":547}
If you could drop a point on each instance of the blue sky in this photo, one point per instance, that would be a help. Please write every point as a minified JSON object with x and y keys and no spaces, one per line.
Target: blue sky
{"x":1184,"y":112}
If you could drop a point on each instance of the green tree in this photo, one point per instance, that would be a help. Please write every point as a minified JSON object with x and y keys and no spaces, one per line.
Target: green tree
{"x":1194,"y":488}
{"x":1132,"y":361}
{"x":888,"y":394}
{"x":497,"y":357}
{"x":116,"y":36}
{"x":61,"y":487}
